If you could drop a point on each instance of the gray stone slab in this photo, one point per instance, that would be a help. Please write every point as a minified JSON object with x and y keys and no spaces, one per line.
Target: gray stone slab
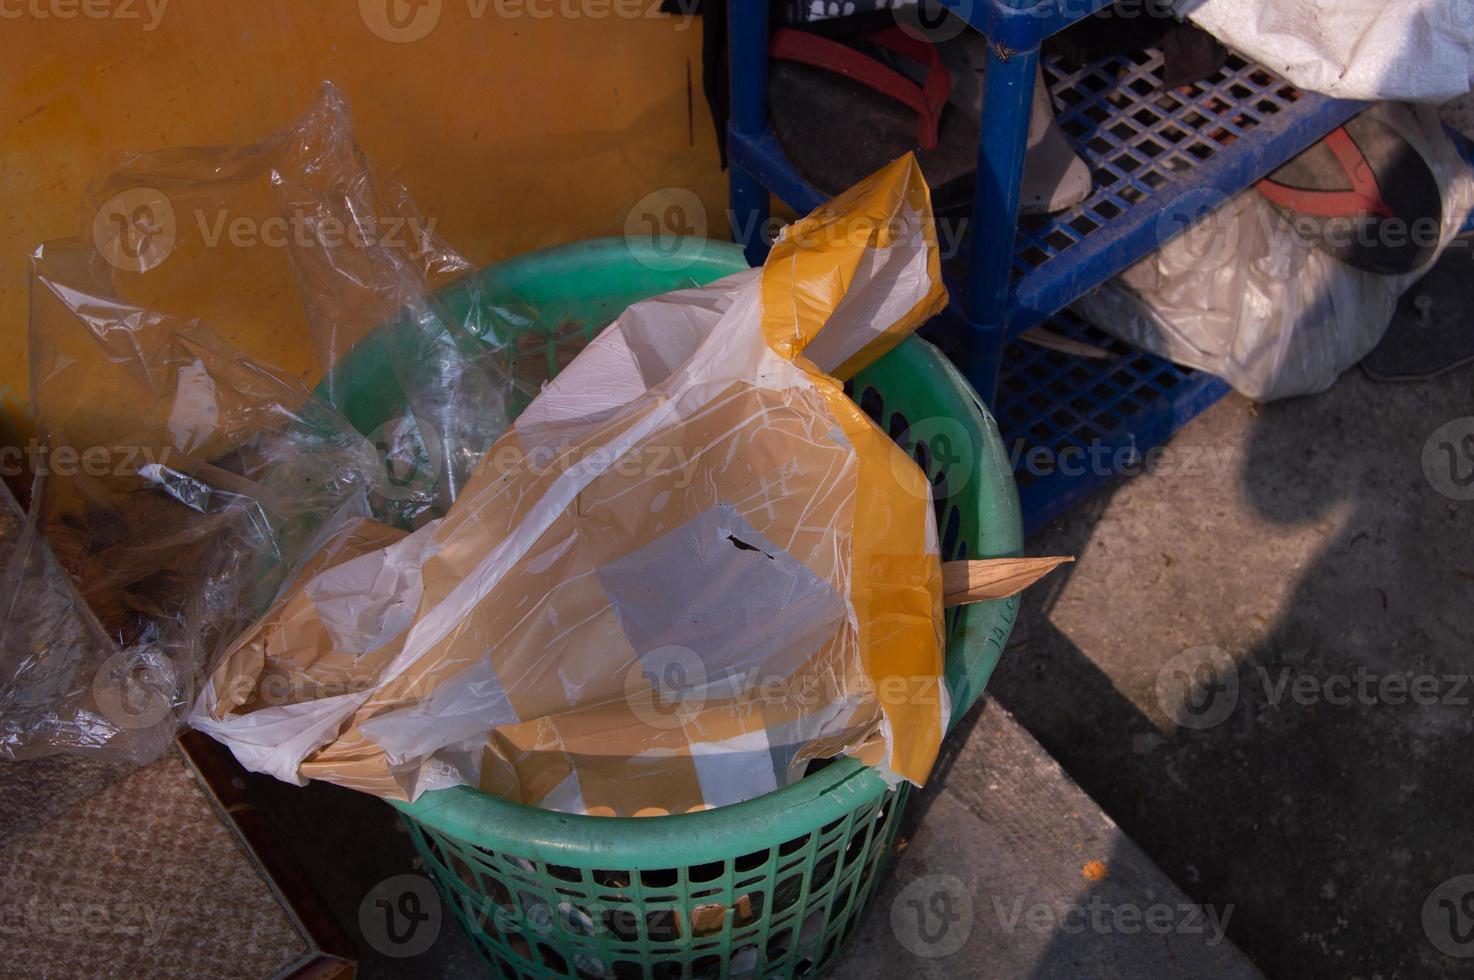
{"x":1011,"y":871}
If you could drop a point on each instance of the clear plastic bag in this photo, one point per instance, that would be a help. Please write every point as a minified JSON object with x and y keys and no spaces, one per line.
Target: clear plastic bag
{"x":1242,"y":296}
{"x":181,"y":483}
{"x":692,"y":567}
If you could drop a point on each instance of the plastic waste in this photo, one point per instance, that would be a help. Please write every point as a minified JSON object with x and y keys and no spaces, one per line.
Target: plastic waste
{"x":691,"y":567}
{"x":180,"y":483}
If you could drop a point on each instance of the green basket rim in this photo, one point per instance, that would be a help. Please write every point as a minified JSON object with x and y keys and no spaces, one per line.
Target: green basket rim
{"x":468,"y":814}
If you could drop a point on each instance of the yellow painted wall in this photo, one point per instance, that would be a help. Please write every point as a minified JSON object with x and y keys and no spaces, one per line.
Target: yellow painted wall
{"x":514,"y":123}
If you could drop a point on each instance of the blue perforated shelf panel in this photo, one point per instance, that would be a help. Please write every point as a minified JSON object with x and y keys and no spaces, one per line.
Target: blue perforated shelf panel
{"x":1070,"y":423}
{"x":1176,"y":152}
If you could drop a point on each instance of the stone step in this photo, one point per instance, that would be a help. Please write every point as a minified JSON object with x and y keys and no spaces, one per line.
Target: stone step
{"x":1010,"y":871}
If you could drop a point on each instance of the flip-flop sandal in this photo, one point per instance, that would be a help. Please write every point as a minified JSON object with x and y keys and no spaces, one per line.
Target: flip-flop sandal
{"x":1363,"y":195}
{"x":841,"y":114}
{"x":1055,"y":178}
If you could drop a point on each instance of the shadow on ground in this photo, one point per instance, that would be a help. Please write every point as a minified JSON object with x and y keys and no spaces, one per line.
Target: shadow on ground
{"x":1265,"y":680}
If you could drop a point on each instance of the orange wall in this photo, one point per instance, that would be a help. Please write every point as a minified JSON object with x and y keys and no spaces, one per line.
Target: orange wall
{"x":515,"y":123}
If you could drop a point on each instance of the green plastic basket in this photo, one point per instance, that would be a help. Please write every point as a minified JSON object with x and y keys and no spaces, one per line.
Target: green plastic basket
{"x":770,"y":887}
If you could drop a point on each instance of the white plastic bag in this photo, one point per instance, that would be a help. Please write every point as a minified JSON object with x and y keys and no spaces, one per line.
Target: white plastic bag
{"x":1243,"y":297}
{"x":1416,"y":50}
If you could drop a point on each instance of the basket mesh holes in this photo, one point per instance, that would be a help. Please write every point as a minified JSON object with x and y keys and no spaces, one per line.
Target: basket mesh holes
{"x":432,"y":843}
{"x":897,"y":426}
{"x":824,"y":870}
{"x":744,"y":961}
{"x":803,"y":968}
{"x":662,"y":926}
{"x":710,"y":871}
{"x":923,"y":456}
{"x":750,"y":862}
{"x":787,"y":893}
{"x":564,"y":873}
{"x":552,"y":958}
{"x":666,"y":970}
{"x":612,"y":879}
{"x":659,"y":878}
{"x":625,"y":970}
{"x":790,"y":846}
{"x":831,"y":825}
{"x":747,"y":909}
{"x":812,"y":927}
{"x":707,"y":968}
{"x":497,"y":893}
{"x":519,"y":945}
{"x":707,"y":919}
{"x":460,"y":868}
{"x":872,"y":404}
{"x":940,"y":491}
{"x":779,"y":942}
{"x":855,"y":848}
{"x":842,"y":901}
{"x":623,"y":924}
{"x":953,"y":525}
{"x":586,"y":967}
{"x":576,"y":919}
{"x":536,"y":912}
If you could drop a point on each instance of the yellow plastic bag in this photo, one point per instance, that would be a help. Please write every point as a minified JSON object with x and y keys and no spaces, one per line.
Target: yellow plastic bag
{"x":690,"y":568}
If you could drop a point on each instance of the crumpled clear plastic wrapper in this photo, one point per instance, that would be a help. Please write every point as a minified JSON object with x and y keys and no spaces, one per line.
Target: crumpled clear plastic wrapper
{"x":1261,"y":307}
{"x":179,"y":483}
{"x":691,"y":567}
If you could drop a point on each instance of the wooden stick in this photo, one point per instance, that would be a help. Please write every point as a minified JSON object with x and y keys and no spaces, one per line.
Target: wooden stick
{"x":993,"y":578}
{"x":1040,"y":337}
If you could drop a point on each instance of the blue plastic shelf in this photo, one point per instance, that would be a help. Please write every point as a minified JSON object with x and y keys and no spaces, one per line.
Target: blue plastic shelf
{"x":1160,"y":159}
{"x":1072,"y":423}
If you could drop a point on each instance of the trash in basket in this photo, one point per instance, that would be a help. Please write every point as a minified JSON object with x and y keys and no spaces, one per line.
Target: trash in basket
{"x":691,"y":568}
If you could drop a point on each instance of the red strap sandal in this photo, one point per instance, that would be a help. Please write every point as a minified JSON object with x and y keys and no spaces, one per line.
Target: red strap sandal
{"x":1364,"y":198}
{"x":927,"y":99}
{"x":1363,"y":195}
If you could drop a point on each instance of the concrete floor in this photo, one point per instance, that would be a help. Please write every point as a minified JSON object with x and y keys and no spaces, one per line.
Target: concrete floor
{"x":1009,"y":870}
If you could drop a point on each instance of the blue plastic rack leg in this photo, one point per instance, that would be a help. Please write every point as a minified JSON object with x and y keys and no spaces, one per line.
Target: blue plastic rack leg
{"x":747,"y":31}
{"x":1007,"y":103}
